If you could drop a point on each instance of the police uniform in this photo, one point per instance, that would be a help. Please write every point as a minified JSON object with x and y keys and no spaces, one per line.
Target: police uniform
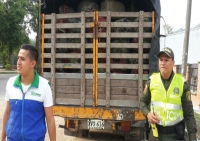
{"x":174,"y":120}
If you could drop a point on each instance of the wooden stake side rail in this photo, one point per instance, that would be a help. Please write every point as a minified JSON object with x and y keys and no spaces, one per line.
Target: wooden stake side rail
{"x":92,"y":49}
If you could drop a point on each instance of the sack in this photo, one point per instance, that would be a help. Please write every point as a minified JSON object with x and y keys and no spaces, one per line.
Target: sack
{"x":180,"y":131}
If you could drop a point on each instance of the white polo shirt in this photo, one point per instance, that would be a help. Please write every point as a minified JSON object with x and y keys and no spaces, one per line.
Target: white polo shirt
{"x":39,"y":90}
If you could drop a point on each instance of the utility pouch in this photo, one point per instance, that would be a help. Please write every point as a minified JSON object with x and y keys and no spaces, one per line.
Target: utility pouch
{"x":180,"y":131}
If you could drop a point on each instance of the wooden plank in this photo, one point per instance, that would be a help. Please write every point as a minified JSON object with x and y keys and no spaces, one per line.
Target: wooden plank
{"x":67,"y":65}
{"x":124,"y":83}
{"x":67,"y":101}
{"x":77,"y":96}
{"x":77,"y":90}
{"x":101,"y":24}
{"x":125,"y":24}
{"x":124,"y":97}
{"x":70,"y":45}
{"x":126,"y":66}
{"x":100,"y":96}
{"x":100,"y":55}
{"x":101,"y":75}
{"x":76,"y":82}
{"x":90,"y":14}
{"x":73,"y":15}
{"x":127,"y":55}
{"x":68,"y":89}
{"x":128,"y":35}
{"x":64,"y":55}
{"x":129,"y":45}
{"x":89,"y":66}
{"x":118,"y":103}
{"x":122,"y":35}
{"x":68,"y":25}
{"x":63,"y":45}
{"x":103,"y":13}
{"x":101,"y":90}
{"x":68,"y":15}
{"x":124,"y":91}
{"x":128,"y":24}
{"x":101,"y":82}
{"x":68,"y":82}
{"x":113,"y":83}
{"x":69,"y":35}
{"x":129,"y":14}
{"x":121,"y":45}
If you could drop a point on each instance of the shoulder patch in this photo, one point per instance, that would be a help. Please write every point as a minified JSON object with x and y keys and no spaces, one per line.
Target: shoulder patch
{"x":188,"y":96}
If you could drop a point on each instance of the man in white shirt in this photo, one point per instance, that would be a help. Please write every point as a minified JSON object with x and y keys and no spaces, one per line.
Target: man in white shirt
{"x":29,"y":102}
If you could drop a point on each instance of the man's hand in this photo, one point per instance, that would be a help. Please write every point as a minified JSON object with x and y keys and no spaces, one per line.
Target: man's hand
{"x":153,"y":118}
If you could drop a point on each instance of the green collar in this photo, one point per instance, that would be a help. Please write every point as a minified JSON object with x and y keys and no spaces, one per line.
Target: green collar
{"x":34,"y":83}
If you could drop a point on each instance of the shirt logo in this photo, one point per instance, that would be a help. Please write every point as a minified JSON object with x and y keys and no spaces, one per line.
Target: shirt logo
{"x":35,"y":94}
{"x":176,"y":91}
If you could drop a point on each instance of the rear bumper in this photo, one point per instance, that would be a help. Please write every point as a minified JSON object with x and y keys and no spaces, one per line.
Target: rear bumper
{"x":119,"y":114}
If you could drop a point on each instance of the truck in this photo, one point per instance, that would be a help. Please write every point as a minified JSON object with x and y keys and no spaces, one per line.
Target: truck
{"x":97,"y":62}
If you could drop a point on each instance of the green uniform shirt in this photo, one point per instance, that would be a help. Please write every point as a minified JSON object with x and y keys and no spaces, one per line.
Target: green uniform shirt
{"x":188,"y":112}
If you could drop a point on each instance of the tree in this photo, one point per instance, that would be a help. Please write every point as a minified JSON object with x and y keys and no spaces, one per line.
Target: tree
{"x":14,"y":24}
{"x":168,"y":29}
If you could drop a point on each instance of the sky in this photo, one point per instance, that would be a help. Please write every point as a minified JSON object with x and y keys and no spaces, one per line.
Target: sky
{"x":174,"y":13}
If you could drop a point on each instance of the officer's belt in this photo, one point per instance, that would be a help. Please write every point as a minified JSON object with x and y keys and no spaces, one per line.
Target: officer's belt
{"x":166,"y":130}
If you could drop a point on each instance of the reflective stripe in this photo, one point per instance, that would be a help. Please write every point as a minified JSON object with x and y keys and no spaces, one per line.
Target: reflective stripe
{"x":170,"y":123}
{"x":167,"y":105}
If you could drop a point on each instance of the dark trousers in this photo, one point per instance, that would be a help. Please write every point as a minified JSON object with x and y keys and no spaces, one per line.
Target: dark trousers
{"x":163,"y":137}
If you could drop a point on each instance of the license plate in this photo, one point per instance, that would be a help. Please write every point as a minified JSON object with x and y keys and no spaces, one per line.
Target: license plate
{"x":96,"y":124}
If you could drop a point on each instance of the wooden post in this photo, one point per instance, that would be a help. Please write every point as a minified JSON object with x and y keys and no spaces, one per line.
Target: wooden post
{"x":53,"y":56}
{"x":188,"y":74}
{"x":140,"y":55}
{"x":198,"y":84}
{"x":186,"y":38}
{"x":108,"y":60}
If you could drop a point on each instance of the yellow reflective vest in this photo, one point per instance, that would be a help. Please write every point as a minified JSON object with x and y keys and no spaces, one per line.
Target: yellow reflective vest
{"x":167,"y":104}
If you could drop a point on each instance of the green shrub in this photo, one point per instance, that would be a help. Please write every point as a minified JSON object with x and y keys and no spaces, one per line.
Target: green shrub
{"x":7,"y":67}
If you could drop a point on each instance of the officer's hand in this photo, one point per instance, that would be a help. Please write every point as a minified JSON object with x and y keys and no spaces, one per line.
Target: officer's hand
{"x":153,"y":118}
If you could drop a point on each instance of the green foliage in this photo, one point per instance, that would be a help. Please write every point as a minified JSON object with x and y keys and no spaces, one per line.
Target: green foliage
{"x":7,"y":67}
{"x":17,"y":17}
{"x":32,"y":42}
{"x":168,"y":29}
{"x":4,"y":55}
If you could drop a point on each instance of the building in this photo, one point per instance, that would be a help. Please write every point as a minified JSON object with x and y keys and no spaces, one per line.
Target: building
{"x":176,"y":41}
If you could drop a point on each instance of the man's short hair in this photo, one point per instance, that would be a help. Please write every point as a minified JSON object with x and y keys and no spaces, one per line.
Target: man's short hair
{"x":33,"y":52}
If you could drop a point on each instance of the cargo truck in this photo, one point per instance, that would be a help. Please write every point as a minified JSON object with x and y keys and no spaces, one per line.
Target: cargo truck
{"x":97,"y":63}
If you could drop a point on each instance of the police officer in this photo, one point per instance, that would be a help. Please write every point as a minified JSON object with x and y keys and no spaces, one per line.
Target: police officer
{"x":167,"y":102}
